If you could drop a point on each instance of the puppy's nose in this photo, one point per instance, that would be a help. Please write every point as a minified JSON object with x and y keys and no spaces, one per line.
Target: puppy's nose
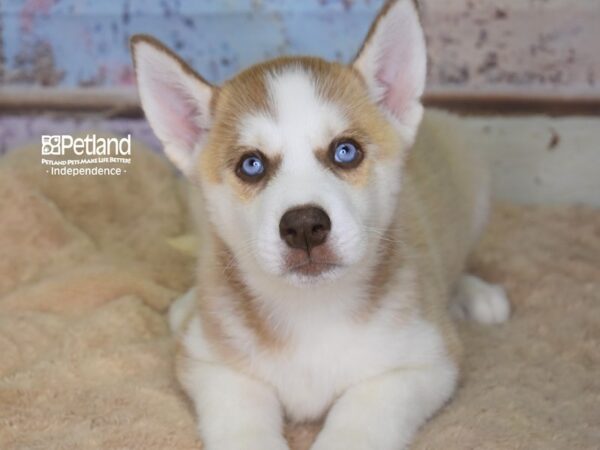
{"x":304,"y":227}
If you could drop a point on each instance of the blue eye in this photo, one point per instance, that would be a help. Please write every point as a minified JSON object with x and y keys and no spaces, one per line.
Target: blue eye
{"x":347,"y":154}
{"x":251,"y":167}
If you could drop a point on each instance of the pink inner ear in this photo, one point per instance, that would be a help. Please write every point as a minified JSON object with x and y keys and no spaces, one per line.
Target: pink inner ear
{"x":396,"y":84}
{"x":401,"y":61}
{"x":396,"y":76}
{"x":181,"y":117}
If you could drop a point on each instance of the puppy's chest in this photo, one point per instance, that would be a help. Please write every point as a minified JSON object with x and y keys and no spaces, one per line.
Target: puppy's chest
{"x":328,"y":357}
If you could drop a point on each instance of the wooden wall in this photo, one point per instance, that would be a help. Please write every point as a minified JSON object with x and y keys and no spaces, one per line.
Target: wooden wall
{"x":512,"y":51}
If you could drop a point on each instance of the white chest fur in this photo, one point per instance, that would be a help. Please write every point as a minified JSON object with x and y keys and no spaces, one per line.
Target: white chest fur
{"x":328,"y":353}
{"x":336,"y":354}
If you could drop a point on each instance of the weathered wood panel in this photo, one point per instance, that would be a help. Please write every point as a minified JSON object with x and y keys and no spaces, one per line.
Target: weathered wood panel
{"x":515,"y":47}
{"x":497,"y":48}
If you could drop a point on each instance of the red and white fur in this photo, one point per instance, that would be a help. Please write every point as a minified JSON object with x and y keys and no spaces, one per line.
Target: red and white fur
{"x":363,"y":339}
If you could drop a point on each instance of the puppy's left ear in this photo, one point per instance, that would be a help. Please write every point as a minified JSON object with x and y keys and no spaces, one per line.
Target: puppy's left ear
{"x":393,"y":62}
{"x":176,"y":100}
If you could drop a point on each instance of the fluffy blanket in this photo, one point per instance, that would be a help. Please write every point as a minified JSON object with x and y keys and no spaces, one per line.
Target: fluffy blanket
{"x":86,"y":359}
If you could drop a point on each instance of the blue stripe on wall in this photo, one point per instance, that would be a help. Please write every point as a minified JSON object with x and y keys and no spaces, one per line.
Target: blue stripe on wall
{"x":71,"y":43}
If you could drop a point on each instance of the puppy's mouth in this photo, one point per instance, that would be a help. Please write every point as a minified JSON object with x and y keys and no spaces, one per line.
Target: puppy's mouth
{"x":312,"y":263}
{"x":313,"y":268}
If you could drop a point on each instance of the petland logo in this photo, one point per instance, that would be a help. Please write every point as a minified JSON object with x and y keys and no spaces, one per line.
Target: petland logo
{"x":88,"y":155}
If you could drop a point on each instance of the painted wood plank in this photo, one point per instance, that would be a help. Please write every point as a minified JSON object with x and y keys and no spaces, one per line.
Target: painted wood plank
{"x":535,"y":47}
{"x":496,"y":48}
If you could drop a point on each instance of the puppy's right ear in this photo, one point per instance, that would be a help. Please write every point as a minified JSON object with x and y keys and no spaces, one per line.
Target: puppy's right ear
{"x":393,"y":63}
{"x":175,"y":99}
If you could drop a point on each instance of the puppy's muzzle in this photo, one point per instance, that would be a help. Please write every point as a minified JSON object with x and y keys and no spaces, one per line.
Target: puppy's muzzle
{"x":305,"y":227}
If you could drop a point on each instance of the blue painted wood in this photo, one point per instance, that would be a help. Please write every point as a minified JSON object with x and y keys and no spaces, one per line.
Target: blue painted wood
{"x":71,"y":43}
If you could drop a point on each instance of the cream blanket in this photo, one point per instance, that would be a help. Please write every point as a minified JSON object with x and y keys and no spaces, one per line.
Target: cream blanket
{"x":87,"y":274}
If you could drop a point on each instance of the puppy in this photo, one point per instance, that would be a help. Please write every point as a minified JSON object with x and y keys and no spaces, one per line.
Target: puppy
{"x":332,"y":241}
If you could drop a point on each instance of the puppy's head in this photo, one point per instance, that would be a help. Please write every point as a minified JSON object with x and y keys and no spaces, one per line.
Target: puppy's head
{"x":299,"y":159}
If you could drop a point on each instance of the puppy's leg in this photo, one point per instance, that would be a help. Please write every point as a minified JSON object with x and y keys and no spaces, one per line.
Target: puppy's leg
{"x":384,"y":412}
{"x":483,"y":302}
{"x":235,"y":412}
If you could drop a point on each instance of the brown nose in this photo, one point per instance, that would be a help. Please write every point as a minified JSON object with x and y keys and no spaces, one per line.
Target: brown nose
{"x":304,"y":227}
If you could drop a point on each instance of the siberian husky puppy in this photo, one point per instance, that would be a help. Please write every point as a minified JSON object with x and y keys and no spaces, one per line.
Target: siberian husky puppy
{"x":333,"y":241}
